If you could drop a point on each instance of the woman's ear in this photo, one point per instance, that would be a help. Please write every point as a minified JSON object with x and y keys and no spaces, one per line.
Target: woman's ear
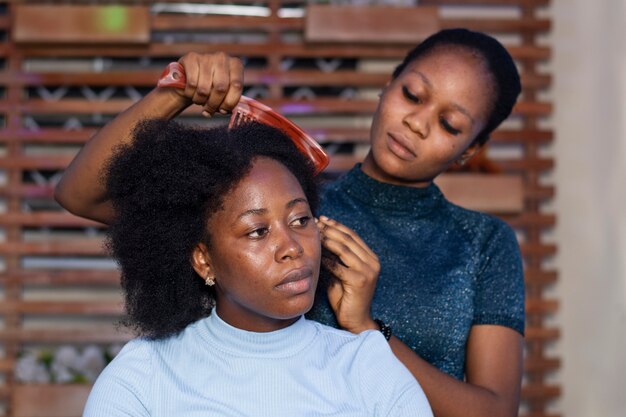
{"x":472,"y":150}
{"x":201,"y":262}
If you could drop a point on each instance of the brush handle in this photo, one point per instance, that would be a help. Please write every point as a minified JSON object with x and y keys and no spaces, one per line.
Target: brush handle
{"x":173,"y":76}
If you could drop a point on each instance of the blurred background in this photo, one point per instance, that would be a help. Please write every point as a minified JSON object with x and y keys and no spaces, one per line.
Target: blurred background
{"x":556,"y":171}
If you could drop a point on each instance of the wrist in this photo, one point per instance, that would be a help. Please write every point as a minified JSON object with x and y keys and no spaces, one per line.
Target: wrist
{"x":384,"y":328}
{"x":357,"y":328}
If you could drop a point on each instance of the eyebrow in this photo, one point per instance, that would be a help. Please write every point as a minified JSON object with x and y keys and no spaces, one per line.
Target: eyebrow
{"x":261,"y":211}
{"x":456,"y":106}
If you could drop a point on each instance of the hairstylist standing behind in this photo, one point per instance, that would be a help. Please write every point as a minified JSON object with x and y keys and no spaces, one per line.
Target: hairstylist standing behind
{"x":450,"y":293}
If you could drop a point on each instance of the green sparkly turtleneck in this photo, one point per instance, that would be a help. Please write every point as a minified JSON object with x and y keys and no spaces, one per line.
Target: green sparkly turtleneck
{"x":443,"y":268}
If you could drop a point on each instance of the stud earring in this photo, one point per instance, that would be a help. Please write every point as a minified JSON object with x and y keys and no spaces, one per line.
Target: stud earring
{"x":210,"y":281}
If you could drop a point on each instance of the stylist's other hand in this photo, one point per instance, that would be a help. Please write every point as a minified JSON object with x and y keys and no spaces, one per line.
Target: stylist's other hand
{"x":214,"y":81}
{"x":351,"y":295}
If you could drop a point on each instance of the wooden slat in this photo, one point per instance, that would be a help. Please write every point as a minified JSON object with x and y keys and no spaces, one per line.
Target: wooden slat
{"x":542,"y":334}
{"x":528,"y":53}
{"x":541,"y":306}
{"x":524,"y":220}
{"x":495,"y":26}
{"x":46,"y":219}
{"x":538,"y":249}
{"x":526,"y":3}
{"x":534,"y":391}
{"x":74,"y":247}
{"x":287,"y":107}
{"x":226,"y":23}
{"x":374,"y":24}
{"x":322,"y":135}
{"x":81,"y":24}
{"x":41,"y":400}
{"x":58,"y":278}
{"x":96,"y":334}
{"x":492,"y":193}
{"x":540,"y":277}
{"x":63,"y":307}
{"x":541,"y":364}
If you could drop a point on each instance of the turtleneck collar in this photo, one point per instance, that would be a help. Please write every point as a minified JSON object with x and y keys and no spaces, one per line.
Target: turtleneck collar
{"x":391,"y":197}
{"x":277,"y":344}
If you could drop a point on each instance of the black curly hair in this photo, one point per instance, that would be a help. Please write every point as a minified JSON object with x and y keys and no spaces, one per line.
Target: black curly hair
{"x":499,"y":63}
{"x":164,"y":187}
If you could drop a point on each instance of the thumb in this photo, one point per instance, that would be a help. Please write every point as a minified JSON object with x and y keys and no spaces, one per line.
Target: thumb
{"x":335,"y":293}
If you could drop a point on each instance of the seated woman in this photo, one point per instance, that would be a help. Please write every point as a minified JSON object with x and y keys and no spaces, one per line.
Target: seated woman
{"x":220,"y":258}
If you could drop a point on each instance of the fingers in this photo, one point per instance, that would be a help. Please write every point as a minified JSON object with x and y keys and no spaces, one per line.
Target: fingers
{"x":214,"y":81}
{"x":345,"y":243}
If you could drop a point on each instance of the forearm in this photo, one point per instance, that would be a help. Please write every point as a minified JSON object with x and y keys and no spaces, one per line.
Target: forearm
{"x":81,"y":189}
{"x":450,"y":397}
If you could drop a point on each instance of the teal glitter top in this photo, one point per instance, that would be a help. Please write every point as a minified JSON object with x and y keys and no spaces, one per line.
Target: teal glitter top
{"x":443,"y":268}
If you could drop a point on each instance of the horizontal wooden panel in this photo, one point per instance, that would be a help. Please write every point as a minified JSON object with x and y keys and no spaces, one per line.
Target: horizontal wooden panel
{"x":62,"y":307}
{"x":492,"y":193}
{"x":75,"y":247}
{"x":540,"y":277}
{"x":46,"y":219}
{"x":538,"y":249}
{"x":147,"y":78}
{"x":97,"y":334}
{"x":534,"y":391}
{"x":46,"y":400}
{"x":322,"y":135}
{"x":285,"y":106}
{"x":528,"y":219}
{"x":495,"y":26}
{"x":58,"y":278}
{"x":81,"y":24}
{"x":542,"y":334}
{"x":374,"y":24}
{"x":528,"y":3}
{"x":541,"y":306}
{"x":278,"y":49}
{"x":541,"y":364}
{"x":168,"y":22}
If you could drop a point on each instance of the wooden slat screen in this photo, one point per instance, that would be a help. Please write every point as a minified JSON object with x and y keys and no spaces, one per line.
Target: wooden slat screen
{"x":56,"y":285}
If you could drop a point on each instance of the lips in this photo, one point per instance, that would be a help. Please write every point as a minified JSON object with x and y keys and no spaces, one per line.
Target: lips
{"x":297,"y":281}
{"x":401,"y":146}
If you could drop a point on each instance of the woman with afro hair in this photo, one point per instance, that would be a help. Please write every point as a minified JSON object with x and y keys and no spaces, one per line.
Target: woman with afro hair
{"x":220,"y":257}
{"x":447,"y":285}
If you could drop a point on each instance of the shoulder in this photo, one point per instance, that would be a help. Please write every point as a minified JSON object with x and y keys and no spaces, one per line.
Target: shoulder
{"x":123,"y":386}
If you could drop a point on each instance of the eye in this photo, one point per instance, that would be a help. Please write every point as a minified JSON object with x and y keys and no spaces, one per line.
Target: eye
{"x":448,"y":127}
{"x":410,"y":96}
{"x":301,"y":221}
{"x":259,"y":232}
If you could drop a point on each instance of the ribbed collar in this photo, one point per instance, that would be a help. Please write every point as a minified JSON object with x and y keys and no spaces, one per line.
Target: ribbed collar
{"x":391,"y":197}
{"x":277,"y":344}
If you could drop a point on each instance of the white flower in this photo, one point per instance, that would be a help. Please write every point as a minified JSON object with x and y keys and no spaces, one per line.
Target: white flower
{"x":91,"y":362}
{"x":29,"y":369}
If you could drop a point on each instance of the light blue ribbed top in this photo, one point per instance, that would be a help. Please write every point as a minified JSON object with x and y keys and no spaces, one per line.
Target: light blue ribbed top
{"x":214,"y":369}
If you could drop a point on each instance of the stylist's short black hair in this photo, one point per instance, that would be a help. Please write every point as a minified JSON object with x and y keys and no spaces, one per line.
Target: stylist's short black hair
{"x":164,"y":186}
{"x":500,"y":64}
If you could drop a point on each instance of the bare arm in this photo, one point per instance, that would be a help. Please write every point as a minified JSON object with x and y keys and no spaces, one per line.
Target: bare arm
{"x":493,"y":353}
{"x":214,"y":81}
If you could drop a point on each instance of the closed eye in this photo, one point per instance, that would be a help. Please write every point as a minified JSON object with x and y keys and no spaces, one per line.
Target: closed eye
{"x":410,"y":96}
{"x":449,"y":128}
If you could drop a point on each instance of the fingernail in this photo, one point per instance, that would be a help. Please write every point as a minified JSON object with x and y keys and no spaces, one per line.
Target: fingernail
{"x":222,"y":111}
{"x":323,"y":218}
{"x":206,"y":113}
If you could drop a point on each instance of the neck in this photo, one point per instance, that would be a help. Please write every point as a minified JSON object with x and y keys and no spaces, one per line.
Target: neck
{"x":373,"y":170}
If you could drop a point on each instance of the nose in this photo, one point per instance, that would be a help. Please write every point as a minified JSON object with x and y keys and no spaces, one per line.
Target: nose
{"x":418,"y":121}
{"x":288,"y":246}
